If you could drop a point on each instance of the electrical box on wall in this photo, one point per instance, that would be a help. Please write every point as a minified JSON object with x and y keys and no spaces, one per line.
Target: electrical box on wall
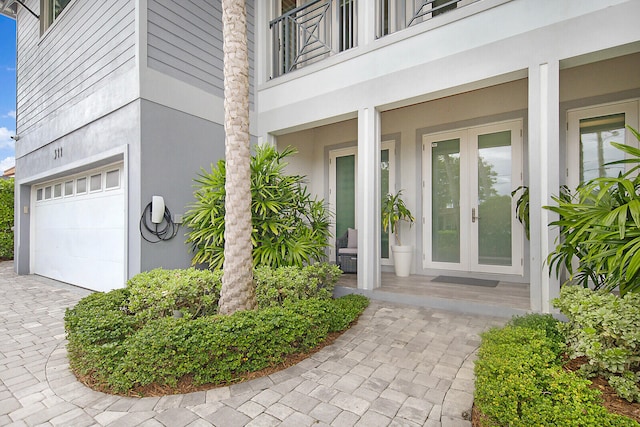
{"x":157,"y":209}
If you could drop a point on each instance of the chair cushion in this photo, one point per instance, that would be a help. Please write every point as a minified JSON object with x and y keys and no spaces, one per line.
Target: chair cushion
{"x":352,"y":238}
{"x":348,"y":251}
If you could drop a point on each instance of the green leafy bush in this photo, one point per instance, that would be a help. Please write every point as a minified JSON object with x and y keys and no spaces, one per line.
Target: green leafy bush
{"x":121,"y":350}
{"x":600,"y":226}
{"x":95,"y":327}
{"x":195,"y":293}
{"x":6,"y":218}
{"x":289,"y":227}
{"x":545,"y":322}
{"x":604,"y":328}
{"x":158,"y":293}
{"x":274,"y":286}
{"x":520,"y":381}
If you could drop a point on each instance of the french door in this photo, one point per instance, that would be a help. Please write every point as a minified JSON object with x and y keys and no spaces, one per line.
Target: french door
{"x":343,"y":190}
{"x":469,"y":214}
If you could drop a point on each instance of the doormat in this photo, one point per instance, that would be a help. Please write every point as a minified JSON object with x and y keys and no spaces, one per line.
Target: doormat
{"x":466,"y":281}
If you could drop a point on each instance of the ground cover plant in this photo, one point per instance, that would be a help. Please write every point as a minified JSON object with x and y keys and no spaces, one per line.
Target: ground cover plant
{"x":162,"y":329}
{"x":520,"y":380}
{"x":604,"y":329}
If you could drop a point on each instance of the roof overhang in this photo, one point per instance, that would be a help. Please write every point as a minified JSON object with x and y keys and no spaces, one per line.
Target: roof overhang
{"x":8,"y":8}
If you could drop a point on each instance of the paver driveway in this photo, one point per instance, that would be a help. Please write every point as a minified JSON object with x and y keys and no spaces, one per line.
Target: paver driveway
{"x":398,"y":366}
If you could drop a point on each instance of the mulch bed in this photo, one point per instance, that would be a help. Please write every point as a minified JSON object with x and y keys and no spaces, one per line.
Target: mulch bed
{"x":610,"y":400}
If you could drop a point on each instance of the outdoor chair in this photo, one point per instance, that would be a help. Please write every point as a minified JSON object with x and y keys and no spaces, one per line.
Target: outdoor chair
{"x":347,"y":251}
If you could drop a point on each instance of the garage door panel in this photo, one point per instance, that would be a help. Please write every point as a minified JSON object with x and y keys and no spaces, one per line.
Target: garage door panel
{"x":80,"y":239}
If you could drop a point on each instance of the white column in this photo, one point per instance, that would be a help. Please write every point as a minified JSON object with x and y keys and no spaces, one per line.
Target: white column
{"x":544,"y":131}
{"x":368,"y":198}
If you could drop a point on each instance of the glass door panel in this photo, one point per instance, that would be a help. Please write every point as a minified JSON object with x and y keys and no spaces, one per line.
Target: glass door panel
{"x":494,"y":188}
{"x":345,"y":194}
{"x":596,"y":136}
{"x":343,"y":187}
{"x":384,"y":190}
{"x":445,"y":201}
{"x":470,"y":174}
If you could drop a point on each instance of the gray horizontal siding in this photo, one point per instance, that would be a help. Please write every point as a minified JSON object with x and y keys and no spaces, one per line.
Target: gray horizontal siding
{"x":88,"y":43}
{"x":184,"y":41}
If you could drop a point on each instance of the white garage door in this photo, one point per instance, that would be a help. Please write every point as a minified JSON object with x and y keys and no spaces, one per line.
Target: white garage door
{"x":78,"y":233}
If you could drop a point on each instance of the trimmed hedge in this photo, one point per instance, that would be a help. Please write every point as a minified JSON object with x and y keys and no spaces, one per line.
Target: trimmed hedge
{"x":123,"y":341}
{"x":6,"y":218}
{"x":520,"y":380}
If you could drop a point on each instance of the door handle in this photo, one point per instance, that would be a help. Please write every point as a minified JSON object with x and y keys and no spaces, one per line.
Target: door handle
{"x":473,"y":215}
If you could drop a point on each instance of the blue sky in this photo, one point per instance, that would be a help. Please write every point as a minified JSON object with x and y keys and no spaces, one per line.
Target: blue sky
{"x":7,"y":91}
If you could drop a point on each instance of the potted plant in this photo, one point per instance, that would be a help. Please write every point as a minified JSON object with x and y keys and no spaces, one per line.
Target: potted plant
{"x":395,"y":210}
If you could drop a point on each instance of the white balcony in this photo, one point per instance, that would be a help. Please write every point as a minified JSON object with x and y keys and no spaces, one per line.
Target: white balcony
{"x":318,"y":29}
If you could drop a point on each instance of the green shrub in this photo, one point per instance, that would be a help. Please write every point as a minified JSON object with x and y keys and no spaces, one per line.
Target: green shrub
{"x":100,"y":318}
{"x":194,"y":293}
{"x":158,"y":293}
{"x":96,"y":327}
{"x":276,"y":285}
{"x":545,"y":322}
{"x":119,"y":352}
{"x":6,"y":218}
{"x":520,"y":381}
{"x":289,"y":226}
{"x":604,"y":328}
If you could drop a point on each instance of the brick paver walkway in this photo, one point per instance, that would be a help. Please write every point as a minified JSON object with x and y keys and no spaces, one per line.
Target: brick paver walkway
{"x":399,"y":366}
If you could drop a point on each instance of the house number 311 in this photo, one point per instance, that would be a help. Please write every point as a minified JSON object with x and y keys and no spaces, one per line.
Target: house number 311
{"x":57,"y":153}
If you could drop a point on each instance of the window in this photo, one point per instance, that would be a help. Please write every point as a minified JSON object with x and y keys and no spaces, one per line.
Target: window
{"x":95,"y":183}
{"x":50,"y":10}
{"x":590,"y":132}
{"x":68,"y":188}
{"x":47,"y":193}
{"x":57,"y":190}
{"x":113,"y":179}
{"x":81,"y":185}
{"x":39,"y":194}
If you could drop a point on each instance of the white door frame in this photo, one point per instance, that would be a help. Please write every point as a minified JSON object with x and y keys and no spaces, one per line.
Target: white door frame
{"x":353,"y":151}
{"x":333,"y":155}
{"x":468,"y":198}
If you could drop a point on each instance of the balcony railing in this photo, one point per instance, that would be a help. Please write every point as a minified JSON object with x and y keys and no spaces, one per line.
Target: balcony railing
{"x":312,"y":32}
{"x":396,"y":15}
{"x":321,"y":28}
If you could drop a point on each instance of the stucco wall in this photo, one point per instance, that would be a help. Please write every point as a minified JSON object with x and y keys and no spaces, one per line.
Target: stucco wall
{"x":174,"y":147}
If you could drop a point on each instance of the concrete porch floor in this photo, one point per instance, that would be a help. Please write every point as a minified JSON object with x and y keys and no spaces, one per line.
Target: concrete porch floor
{"x":506,"y":299}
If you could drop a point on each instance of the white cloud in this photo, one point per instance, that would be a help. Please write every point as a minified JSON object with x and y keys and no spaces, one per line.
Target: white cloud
{"x":7,"y":163}
{"x":11,"y":114}
{"x":5,"y":138}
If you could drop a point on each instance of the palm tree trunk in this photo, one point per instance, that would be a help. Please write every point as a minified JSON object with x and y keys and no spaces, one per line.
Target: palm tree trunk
{"x":237,"y":281}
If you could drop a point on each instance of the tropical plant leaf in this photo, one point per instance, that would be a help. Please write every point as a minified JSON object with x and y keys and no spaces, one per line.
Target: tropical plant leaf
{"x":289,"y":226}
{"x":600,"y":227}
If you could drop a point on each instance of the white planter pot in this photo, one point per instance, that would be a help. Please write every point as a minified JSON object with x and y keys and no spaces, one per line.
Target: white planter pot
{"x":402,"y":256}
